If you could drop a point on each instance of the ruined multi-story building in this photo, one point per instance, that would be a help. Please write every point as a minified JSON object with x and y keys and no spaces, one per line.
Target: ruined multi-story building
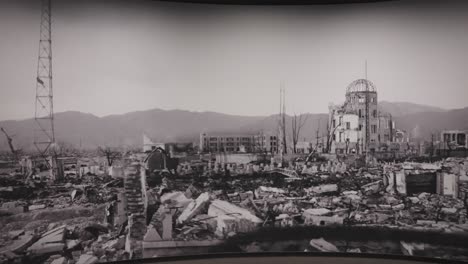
{"x":243,"y":143}
{"x":226,"y":142}
{"x":266,"y":142}
{"x":456,"y":139}
{"x":348,"y":122}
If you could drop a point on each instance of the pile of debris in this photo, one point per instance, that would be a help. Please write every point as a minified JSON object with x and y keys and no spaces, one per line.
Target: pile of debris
{"x":124,"y":218}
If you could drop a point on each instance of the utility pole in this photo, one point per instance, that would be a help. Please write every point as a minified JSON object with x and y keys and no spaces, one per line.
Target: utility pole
{"x":317,"y":136}
{"x":44,"y":134}
{"x":282,"y":124}
{"x":432,"y":147}
{"x":367,"y":113}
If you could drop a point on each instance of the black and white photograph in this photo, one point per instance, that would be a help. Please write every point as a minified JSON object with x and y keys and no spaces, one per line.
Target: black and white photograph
{"x":150,"y":131}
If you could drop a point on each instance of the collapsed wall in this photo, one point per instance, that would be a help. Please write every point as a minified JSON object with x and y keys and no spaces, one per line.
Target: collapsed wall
{"x":134,"y":185}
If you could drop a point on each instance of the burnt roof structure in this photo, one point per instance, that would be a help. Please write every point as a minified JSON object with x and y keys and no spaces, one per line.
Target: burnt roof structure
{"x":361,"y":85}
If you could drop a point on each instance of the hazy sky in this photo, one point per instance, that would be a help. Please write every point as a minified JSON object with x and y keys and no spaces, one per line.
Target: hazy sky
{"x":114,"y":57}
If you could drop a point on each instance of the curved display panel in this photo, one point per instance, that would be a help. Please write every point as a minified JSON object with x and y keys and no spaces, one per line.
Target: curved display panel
{"x":165,"y":131}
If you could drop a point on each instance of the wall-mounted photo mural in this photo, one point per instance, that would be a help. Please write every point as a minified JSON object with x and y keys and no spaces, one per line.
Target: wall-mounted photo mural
{"x":148,"y":129}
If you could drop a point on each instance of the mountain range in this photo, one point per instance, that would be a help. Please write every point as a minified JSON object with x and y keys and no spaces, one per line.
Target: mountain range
{"x":89,"y":131}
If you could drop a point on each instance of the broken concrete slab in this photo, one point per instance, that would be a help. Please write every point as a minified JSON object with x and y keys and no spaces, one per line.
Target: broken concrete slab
{"x":220,"y":207}
{"x":10,"y":205}
{"x":320,"y":220}
{"x":61,"y":260}
{"x":152,"y":234}
{"x":50,"y":242}
{"x":195,"y":207}
{"x":36,"y":207}
{"x":246,"y":195}
{"x":325,"y":188}
{"x":385,"y":206}
{"x":87,"y":259}
{"x":226,"y":224}
{"x":371,"y":188}
{"x":15,"y":234}
{"x":284,"y":220}
{"x":346,"y":193}
{"x":263,"y":190}
{"x":179,"y":199}
{"x":115,"y":244}
{"x":193,"y":192}
{"x":231,"y":218}
{"x":72,"y":243}
{"x":167,"y":226}
{"x":211,"y":222}
{"x":446,"y":210}
{"x":377,"y":217}
{"x":13,"y":208}
{"x":398,"y":207}
{"x":49,"y":248}
{"x":21,"y":243}
{"x":59,"y":229}
{"x":322,"y":245}
{"x":8,"y":255}
{"x":390,"y":200}
{"x":400,"y":179}
{"x":316,"y":211}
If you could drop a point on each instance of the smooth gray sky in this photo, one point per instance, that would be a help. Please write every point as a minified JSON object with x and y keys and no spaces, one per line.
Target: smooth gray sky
{"x":114,"y":57}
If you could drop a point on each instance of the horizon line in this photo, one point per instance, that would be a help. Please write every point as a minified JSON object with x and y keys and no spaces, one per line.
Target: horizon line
{"x":208,"y":111}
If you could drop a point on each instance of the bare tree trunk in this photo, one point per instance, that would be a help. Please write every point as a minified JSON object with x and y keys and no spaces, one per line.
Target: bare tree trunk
{"x":330,"y":131}
{"x":294,"y":133}
{"x":13,"y":150}
{"x":110,"y":154}
{"x":298,"y":123}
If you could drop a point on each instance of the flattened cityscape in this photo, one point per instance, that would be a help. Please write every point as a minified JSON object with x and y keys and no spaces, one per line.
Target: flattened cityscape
{"x":365,"y":185}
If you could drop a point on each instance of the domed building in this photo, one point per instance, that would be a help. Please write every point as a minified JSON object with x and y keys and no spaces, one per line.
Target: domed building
{"x":357,"y":126}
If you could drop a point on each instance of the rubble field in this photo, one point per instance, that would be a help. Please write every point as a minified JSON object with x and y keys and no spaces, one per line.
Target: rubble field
{"x":406,"y":208}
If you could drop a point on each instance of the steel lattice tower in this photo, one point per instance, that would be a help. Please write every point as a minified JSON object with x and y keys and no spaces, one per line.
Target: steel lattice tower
{"x":44,"y":136}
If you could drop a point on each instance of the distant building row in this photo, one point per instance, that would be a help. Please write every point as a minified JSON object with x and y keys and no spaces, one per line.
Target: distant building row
{"x":238,"y":142}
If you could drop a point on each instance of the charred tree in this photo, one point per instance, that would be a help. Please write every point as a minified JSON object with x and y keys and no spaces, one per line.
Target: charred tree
{"x":298,"y":123}
{"x":15,"y":152}
{"x":111,"y":154}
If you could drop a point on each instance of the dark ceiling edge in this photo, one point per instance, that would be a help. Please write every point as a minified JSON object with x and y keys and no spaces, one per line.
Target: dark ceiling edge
{"x":276,"y":2}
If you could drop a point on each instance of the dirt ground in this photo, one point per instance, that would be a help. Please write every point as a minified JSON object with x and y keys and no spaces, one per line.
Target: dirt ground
{"x":40,"y":219}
